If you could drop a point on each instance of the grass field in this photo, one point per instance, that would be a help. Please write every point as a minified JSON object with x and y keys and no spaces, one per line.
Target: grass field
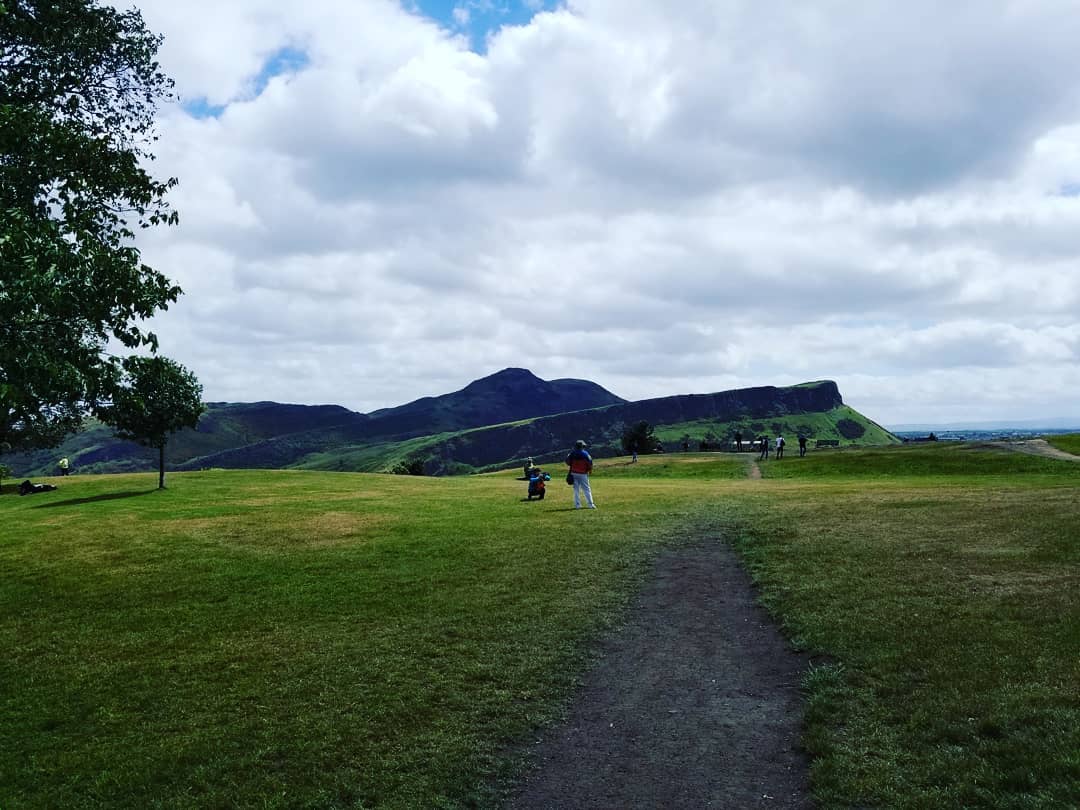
{"x":304,"y":639}
{"x":1069,"y":442}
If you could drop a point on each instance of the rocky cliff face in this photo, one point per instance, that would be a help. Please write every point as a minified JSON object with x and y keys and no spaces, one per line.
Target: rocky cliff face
{"x":730,"y":405}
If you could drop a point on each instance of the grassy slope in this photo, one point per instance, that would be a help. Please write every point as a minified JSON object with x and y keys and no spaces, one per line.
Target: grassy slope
{"x":379,"y":457}
{"x":299,"y":639}
{"x":94,"y":437}
{"x":943,"y":583}
{"x":812,"y":425}
{"x":1069,"y":442}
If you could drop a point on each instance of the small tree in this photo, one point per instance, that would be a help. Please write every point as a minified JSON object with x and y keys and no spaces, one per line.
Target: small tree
{"x":155,"y":397}
{"x":639,"y":436}
{"x":410,"y":466}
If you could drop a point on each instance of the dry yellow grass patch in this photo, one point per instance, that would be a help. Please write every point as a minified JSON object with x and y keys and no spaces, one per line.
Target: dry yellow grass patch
{"x":321,"y":530}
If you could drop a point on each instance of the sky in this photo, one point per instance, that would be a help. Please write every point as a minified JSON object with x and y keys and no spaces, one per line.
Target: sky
{"x":381,"y":200}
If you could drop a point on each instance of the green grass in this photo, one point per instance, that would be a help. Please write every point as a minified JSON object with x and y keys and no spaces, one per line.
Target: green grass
{"x":305,"y":639}
{"x":701,"y":467}
{"x":812,"y":425}
{"x":946,"y":460}
{"x":297,"y":639}
{"x":941,"y":586}
{"x":379,"y":457}
{"x":1069,"y":442}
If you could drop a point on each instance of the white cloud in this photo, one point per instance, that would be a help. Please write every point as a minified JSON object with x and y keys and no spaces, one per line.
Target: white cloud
{"x":661,"y":199}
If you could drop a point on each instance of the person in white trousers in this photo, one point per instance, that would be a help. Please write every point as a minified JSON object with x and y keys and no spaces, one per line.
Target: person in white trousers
{"x":580,"y":466}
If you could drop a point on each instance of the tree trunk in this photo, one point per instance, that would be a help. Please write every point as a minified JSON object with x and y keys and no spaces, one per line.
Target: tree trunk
{"x":161,"y":467}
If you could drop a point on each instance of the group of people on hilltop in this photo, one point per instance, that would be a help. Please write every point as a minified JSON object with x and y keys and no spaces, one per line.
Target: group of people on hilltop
{"x":778,"y":446}
{"x":580,"y":463}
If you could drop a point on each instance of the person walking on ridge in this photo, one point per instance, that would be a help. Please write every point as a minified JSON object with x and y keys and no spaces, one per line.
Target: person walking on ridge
{"x":580,"y":466}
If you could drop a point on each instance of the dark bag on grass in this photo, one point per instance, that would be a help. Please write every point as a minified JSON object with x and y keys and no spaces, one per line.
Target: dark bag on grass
{"x":570,"y":478}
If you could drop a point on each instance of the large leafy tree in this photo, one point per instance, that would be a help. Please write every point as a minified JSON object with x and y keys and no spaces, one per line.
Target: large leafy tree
{"x":154,"y":398}
{"x":79,"y":88}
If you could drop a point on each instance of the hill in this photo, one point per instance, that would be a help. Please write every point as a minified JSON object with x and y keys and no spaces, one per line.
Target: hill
{"x":815,"y":410}
{"x":493,"y":422}
{"x":95,"y":449}
{"x":269,"y":434}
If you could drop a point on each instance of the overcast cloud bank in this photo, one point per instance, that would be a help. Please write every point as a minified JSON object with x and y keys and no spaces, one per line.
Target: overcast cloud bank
{"x":662,"y":200}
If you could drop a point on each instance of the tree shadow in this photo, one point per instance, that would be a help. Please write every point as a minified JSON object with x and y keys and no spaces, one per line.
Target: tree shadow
{"x":111,"y":496}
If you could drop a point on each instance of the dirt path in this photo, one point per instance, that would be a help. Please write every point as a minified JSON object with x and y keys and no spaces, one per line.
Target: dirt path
{"x":694,"y":703}
{"x":755,"y":471}
{"x":1036,"y":447}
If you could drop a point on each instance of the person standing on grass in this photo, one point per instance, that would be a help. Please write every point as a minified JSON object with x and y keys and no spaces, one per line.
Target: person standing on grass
{"x":779,"y":447}
{"x":802,"y":446}
{"x":763,"y":440}
{"x":65,"y":466}
{"x":738,"y":441}
{"x":580,"y":466}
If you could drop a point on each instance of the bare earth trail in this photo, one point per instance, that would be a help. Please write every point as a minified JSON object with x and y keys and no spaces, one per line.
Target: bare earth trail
{"x":693,"y":703}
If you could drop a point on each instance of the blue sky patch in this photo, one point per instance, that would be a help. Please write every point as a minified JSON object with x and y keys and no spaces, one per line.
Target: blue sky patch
{"x":284,"y":61}
{"x":201,"y":108}
{"x":479,"y":18}
{"x":281,"y":62}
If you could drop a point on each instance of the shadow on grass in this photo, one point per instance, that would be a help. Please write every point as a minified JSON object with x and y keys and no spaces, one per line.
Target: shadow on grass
{"x":111,"y":496}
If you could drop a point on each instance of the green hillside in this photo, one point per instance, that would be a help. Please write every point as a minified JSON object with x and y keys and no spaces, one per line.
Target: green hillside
{"x":270,"y":435}
{"x":547,"y":439}
{"x":493,"y":423}
{"x":224,"y":425}
{"x":842,"y":424}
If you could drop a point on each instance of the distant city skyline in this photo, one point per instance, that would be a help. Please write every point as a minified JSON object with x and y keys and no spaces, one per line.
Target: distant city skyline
{"x":385,"y":200}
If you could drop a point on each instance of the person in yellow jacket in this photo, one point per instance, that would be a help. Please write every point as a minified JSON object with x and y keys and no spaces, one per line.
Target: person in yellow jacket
{"x":64,"y":465}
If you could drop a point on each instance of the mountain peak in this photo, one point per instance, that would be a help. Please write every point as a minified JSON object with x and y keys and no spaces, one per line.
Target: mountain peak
{"x":511,"y":373}
{"x":508,"y":377}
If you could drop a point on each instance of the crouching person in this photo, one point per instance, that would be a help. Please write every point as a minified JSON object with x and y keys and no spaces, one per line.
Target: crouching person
{"x":537,"y":485}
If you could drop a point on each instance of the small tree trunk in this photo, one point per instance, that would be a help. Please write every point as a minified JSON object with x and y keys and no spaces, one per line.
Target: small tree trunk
{"x":161,"y":467}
